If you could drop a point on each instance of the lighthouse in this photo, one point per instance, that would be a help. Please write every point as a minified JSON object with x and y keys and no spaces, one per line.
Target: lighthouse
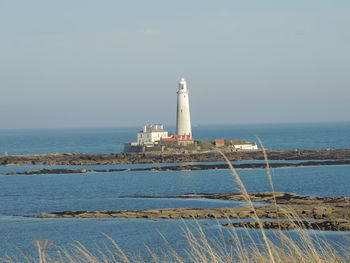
{"x":183,"y":120}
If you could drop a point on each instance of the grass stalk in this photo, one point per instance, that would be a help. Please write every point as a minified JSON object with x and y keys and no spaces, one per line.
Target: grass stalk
{"x":250,"y":204}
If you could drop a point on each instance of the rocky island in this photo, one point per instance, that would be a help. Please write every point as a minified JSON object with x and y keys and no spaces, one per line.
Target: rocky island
{"x":327,"y":213}
{"x":173,"y":157}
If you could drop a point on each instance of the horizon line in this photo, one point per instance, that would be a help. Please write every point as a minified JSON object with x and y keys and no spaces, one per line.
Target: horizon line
{"x":171,"y":125}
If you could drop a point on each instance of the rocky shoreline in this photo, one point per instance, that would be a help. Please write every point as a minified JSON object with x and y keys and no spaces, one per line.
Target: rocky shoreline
{"x":324,"y":225}
{"x":327,"y":213}
{"x":187,"y":167}
{"x":180,"y":157}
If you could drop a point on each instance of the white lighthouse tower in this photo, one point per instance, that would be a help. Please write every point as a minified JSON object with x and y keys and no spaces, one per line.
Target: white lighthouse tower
{"x":183,"y":120}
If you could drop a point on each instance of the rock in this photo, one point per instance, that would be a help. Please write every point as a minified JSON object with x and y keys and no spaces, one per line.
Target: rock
{"x":341,"y":155}
{"x":331,"y":213}
{"x":325,"y":225}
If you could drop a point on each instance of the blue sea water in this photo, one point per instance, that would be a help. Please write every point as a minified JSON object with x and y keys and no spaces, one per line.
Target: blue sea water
{"x":111,"y":140}
{"x":23,"y":195}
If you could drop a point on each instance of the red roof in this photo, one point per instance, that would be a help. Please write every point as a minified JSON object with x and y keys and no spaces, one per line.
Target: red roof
{"x":176,"y":138}
{"x":183,"y":137}
{"x":169,"y":139}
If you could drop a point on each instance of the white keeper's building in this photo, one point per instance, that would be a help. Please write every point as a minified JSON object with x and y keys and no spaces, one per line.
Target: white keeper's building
{"x":151,"y":134}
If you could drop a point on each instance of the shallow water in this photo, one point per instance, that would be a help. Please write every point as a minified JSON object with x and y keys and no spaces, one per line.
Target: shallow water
{"x":22,"y":195}
{"x":25,"y":194}
{"x":133,"y":236}
{"x":31,"y":194}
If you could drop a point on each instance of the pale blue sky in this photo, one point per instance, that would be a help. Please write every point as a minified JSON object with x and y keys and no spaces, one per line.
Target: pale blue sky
{"x":81,"y":63}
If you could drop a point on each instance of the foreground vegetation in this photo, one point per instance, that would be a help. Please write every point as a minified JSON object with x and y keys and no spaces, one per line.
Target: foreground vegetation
{"x":279,"y":248}
{"x":200,"y":249}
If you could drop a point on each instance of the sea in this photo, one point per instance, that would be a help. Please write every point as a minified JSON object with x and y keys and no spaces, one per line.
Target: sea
{"x":24,"y":195}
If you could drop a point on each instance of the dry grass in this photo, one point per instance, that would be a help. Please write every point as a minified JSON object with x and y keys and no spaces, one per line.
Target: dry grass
{"x":278,"y":248}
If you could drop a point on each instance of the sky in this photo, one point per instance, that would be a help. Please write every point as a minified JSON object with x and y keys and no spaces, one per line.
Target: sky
{"x":109,"y":63}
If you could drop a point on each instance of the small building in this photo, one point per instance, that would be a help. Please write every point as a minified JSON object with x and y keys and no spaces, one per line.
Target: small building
{"x":151,"y":134}
{"x":148,"y":139}
{"x":241,"y":145}
{"x":219,"y":143}
{"x":133,"y":147}
{"x":170,"y":140}
{"x":184,"y":140}
{"x":181,"y":140}
{"x":246,"y":146}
